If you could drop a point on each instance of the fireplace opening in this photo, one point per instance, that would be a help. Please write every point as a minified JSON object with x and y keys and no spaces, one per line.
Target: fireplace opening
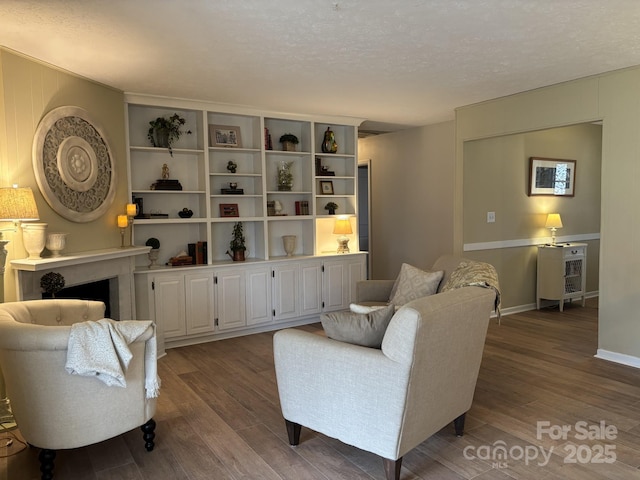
{"x":99,"y":291}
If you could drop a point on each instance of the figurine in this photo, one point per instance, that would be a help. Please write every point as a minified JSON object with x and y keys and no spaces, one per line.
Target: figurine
{"x":165,"y":172}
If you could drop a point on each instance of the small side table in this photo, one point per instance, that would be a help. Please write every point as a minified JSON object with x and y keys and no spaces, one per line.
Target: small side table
{"x":562,"y":272}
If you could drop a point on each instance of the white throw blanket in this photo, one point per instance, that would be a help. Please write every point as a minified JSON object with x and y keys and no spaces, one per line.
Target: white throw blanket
{"x":101,"y":349}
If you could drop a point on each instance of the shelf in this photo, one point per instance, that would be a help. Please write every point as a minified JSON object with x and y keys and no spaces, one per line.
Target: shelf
{"x":166,"y":151}
{"x":165,"y":221}
{"x":168,"y":192}
{"x":233,"y":150}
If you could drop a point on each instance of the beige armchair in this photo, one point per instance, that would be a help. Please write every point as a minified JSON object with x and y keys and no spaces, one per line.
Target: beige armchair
{"x":53,"y":409}
{"x":390,"y":400}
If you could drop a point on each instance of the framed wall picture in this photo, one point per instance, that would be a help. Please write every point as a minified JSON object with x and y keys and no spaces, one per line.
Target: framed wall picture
{"x":326,"y":187}
{"x":229,"y":210}
{"x":224,"y":136}
{"x":549,"y":176}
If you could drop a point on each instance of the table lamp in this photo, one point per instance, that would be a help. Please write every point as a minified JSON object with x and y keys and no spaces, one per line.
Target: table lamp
{"x":17,"y":205}
{"x":553,"y":223}
{"x":342,"y":228}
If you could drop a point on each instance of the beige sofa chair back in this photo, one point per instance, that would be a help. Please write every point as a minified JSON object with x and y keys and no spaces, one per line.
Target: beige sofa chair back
{"x":55,"y":410}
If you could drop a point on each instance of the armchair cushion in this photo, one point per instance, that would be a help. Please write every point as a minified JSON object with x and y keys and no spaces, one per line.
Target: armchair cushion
{"x":414,"y":283}
{"x":365,"y":329}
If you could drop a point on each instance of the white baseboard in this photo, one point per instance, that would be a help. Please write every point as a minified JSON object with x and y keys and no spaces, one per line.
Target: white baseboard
{"x":618,"y":358}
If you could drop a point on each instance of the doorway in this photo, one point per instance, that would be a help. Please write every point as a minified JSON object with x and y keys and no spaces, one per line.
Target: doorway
{"x":364,"y":210}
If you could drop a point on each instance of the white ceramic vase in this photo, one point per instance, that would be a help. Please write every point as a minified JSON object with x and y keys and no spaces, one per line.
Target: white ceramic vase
{"x":56,"y":241}
{"x":289,"y":244}
{"x":34,"y":237}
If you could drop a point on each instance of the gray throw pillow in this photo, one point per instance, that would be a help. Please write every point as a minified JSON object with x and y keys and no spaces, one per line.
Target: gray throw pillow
{"x":357,"y":328}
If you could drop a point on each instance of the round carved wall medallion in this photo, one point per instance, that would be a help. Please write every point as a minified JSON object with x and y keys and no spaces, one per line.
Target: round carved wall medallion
{"x":73,"y":164}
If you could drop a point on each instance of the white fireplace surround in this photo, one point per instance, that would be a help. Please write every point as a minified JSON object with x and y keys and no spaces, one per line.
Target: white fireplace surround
{"x":113,"y":264}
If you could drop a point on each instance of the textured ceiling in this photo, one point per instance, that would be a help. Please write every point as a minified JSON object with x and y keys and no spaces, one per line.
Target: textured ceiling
{"x":399,"y":63}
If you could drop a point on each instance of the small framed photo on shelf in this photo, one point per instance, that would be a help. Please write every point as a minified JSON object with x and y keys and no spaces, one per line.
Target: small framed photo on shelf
{"x":326,"y":187}
{"x":229,"y":210}
{"x":224,"y":136}
{"x":549,"y":176}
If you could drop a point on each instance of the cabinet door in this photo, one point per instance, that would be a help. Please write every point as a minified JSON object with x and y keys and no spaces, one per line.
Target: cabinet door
{"x":355,"y":272}
{"x":199,"y":304}
{"x":334,"y":293}
{"x":169,"y":304}
{"x":285,"y":291}
{"x":310,"y":288}
{"x":258,"y":295}
{"x":230,"y":299}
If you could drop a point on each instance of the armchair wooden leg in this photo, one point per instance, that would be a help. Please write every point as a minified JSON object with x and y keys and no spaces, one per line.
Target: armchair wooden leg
{"x":149,"y":434}
{"x":46,"y":458}
{"x":293,"y":431}
{"x":458,"y":425}
{"x":392,"y":468}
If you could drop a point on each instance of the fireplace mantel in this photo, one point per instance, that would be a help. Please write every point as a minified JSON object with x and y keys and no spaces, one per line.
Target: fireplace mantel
{"x":85,"y":267}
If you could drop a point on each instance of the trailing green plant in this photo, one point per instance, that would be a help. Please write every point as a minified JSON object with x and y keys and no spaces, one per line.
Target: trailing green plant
{"x":238,"y":240}
{"x":285,"y":177}
{"x":289,"y":137}
{"x":153,"y":242}
{"x":170,"y":127}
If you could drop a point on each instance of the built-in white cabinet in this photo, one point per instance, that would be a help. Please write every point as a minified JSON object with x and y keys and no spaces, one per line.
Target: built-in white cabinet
{"x":562,"y":273}
{"x":209,"y":302}
{"x":226,"y":168}
{"x":182,"y":303}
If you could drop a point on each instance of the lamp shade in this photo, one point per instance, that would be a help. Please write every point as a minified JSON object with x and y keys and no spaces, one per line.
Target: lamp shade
{"x":342,"y":227}
{"x":553,"y":221}
{"x":17,"y":204}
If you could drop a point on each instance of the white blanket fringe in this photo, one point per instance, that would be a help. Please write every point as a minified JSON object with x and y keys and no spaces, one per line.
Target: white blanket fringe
{"x":100,"y":349}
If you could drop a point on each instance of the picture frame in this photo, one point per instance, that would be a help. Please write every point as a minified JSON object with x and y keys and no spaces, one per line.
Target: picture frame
{"x":326,"y":187}
{"x":229,"y":210}
{"x":227,"y":136}
{"x":552,"y":177}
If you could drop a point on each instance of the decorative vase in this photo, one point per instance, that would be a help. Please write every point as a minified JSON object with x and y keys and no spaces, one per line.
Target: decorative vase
{"x":289,"y":243}
{"x":56,"y":242}
{"x":332,"y":211}
{"x":285,"y":177}
{"x":153,"y":257}
{"x":329,"y":144}
{"x":34,"y":239}
{"x":238,"y":256}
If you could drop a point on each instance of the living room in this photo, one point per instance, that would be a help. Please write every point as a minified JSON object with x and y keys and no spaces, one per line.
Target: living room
{"x":442,"y":210}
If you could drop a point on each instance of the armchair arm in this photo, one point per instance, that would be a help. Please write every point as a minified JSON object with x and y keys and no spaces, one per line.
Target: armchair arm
{"x":373,"y":290}
{"x":349,"y":392}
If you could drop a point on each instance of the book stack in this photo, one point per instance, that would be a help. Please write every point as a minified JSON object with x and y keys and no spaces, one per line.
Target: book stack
{"x":302,"y":207}
{"x":232,"y":191}
{"x":198,"y":253}
{"x":267,"y":140}
{"x":166,"y":184}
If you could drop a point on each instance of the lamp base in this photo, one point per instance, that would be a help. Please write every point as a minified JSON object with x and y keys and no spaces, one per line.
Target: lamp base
{"x":343,"y":245}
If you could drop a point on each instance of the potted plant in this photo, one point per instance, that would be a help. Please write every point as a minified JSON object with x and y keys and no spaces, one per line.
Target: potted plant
{"x":285,"y":177}
{"x":237,"y":245}
{"x":164,"y":131}
{"x":51,"y":283}
{"x":332,"y":207}
{"x":289,"y":142}
{"x":232,"y":166}
{"x":154,"y":243}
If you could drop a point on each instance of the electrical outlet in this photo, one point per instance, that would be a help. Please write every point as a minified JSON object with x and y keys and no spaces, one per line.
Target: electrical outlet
{"x":491,"y":217}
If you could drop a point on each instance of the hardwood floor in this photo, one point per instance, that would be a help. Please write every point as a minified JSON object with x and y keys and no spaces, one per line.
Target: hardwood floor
{"x":218,"y":417}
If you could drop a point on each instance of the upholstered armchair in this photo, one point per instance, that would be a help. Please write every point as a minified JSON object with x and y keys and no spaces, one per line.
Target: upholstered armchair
{"x":389,"y":400}
{"x":53,"y":409}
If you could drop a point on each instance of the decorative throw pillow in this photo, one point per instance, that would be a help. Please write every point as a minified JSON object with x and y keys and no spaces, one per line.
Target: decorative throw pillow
{"x":360,"y":329}
{"x":414,"y":283}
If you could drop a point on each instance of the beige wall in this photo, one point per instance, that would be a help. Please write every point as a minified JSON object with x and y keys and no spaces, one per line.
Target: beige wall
{"x":412,"y":179}
{"x":495,"y":178}
{"x":28,"y":91}
{"x":614,"y":98}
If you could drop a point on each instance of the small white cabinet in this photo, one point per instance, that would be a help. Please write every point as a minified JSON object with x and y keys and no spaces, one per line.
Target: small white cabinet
{"x":183,"y":303}
{"x":562,"y":272}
